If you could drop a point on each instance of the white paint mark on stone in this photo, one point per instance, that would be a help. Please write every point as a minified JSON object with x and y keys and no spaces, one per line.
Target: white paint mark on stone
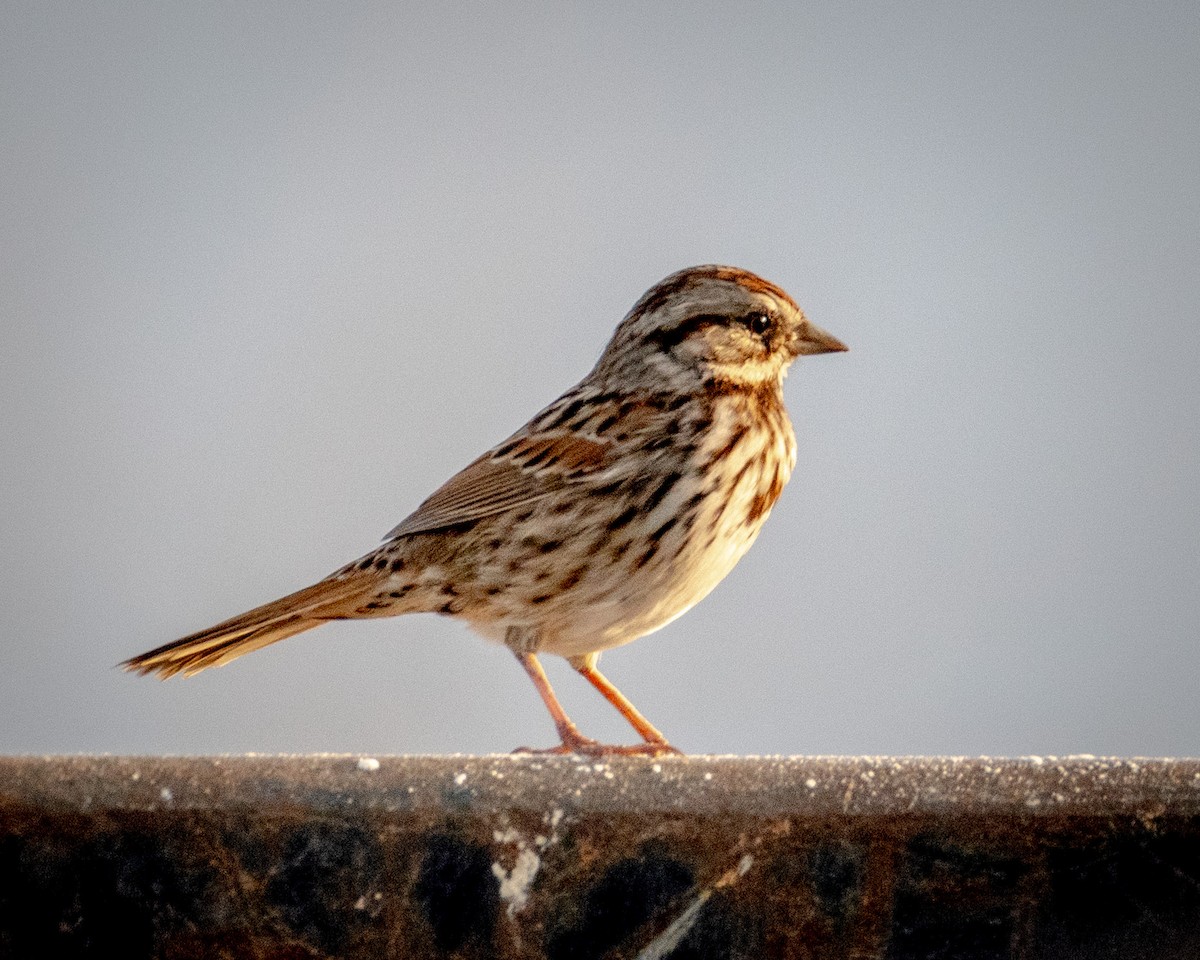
{"x":666,"y":942}
{"x":515,"y":883}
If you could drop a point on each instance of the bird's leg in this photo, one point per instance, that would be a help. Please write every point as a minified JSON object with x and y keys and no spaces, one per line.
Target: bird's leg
{"x":572,"y":740}
{"x":655,"y":742}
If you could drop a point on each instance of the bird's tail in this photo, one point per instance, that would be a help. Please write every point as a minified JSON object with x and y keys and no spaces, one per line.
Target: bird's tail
{"x":254,"y":629}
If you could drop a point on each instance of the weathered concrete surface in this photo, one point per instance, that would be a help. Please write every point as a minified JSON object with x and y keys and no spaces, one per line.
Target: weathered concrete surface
{"x":473,"y":857}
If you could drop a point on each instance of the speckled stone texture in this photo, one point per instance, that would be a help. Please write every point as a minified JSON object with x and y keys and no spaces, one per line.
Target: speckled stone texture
{"x":532,"y":857}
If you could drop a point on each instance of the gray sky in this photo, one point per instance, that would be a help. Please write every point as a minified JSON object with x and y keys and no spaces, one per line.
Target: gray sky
{"x":274,"y":272}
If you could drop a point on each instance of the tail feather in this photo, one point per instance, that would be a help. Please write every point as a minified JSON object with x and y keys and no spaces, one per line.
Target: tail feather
{"x":249,"y":631}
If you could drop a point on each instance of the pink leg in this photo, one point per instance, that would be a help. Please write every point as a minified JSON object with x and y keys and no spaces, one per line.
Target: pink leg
{"x":572,"y":740}
{"x":648,"y":732}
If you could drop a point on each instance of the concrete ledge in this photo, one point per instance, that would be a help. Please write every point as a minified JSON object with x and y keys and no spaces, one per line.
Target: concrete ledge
{"x":334,"y":856}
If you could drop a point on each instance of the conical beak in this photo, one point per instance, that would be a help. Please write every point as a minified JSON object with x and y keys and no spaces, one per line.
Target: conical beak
{"x":812,"y":339}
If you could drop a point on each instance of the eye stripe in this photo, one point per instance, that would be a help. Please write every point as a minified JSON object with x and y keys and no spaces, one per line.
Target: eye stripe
{"x":757,"y":322}
{"x":666,"y":339}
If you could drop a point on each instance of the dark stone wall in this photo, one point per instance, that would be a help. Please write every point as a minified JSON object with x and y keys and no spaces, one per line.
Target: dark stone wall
{"x":529,"y":857}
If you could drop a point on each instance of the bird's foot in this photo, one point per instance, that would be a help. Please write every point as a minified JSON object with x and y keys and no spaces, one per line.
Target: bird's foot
{"x":649,"y":749}
{"x":587,"y":747}
{"x":572,"y":742}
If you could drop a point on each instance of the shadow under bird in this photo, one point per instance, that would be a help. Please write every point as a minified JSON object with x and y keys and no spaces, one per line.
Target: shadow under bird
{"x":609,"y":514}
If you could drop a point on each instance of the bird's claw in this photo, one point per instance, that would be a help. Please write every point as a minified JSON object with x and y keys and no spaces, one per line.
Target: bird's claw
{"x":587,"y":747}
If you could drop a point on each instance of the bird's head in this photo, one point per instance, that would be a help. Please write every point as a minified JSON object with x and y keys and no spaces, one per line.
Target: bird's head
{"x":712,"y":324}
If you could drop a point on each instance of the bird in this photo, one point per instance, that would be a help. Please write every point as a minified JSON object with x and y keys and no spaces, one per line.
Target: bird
{"x":612,"y":512}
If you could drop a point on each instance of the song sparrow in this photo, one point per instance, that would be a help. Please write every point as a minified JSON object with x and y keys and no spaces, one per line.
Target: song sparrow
{"x":608,"y":515}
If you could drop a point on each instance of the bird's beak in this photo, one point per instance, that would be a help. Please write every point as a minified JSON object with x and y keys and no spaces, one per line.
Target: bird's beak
{"x":812,"y":339}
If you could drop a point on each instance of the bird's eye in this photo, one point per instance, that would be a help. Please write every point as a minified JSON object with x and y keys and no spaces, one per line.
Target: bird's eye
{"x":757,"y":323}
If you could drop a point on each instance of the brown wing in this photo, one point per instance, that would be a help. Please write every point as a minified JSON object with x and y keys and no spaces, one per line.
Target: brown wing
{"x":520,"y":471}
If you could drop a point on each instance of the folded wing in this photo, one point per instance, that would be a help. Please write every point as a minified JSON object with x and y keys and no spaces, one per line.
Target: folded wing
{"x":517,"y":473}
